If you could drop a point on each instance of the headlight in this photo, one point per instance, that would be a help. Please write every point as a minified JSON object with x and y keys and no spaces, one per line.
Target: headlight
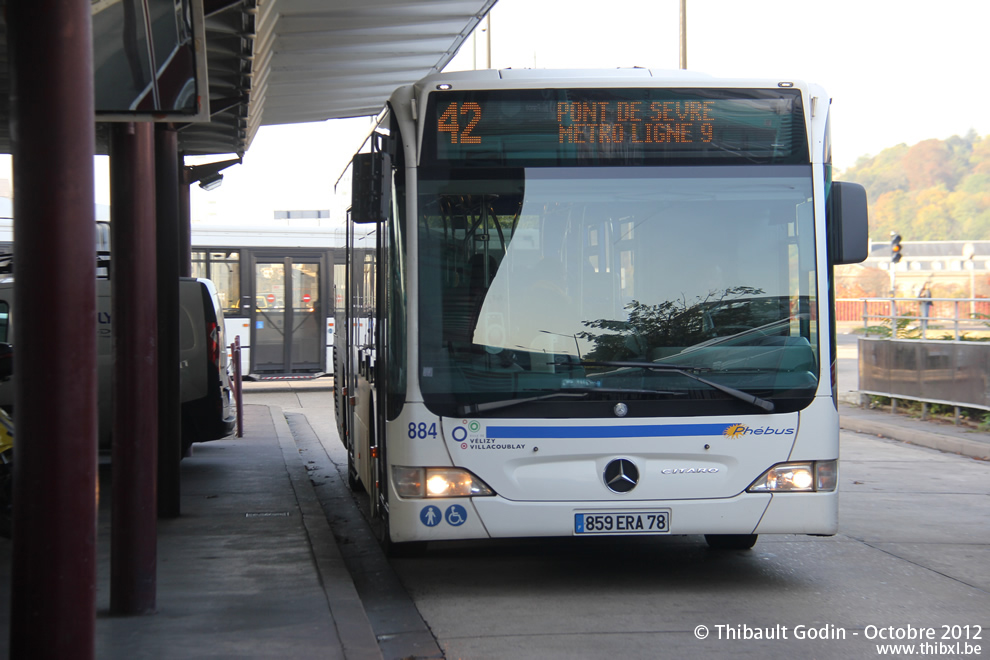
{"x":420,"y":482}
{"x":807,"y":477}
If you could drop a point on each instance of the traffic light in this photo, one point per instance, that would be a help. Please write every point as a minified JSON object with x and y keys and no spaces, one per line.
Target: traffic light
{"x":895,"y":247}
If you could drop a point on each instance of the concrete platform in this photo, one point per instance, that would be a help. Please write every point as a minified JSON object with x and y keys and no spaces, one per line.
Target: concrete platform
{"x":249,"y":570}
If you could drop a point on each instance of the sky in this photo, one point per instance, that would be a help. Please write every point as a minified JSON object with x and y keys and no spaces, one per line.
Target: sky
{"x":898,"y":71}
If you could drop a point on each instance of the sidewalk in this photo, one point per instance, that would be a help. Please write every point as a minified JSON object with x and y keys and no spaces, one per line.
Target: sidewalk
{"x":249,"y":570}
{"x":931,"y":433}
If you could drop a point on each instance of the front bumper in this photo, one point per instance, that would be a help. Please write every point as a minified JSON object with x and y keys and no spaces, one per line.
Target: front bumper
{"x":496,"y":517}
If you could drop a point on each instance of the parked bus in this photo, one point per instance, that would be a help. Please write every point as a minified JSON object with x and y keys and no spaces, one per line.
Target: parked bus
{"x":276,"y":284}
{"x":599,"y":303}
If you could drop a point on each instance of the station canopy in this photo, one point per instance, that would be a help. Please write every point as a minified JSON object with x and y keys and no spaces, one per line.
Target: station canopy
{"x":293,"y":61}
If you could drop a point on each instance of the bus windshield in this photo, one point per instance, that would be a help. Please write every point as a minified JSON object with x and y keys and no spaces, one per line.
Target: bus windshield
{"x":605,"y":284}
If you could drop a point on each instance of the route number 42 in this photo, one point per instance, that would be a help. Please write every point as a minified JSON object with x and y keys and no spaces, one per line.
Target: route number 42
{"x":422,"y":430}
{"x":450,"y":122}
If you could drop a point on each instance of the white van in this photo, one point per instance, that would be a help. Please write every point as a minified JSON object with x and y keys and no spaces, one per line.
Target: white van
{"x":208,"y":411}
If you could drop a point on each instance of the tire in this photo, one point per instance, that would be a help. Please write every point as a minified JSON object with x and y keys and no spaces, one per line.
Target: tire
{"x":378,"y":491}
{"x":731,"y":541}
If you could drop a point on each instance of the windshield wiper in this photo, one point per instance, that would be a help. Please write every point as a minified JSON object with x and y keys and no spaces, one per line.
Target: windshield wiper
{"x":569,"y":392}
{"x":690,"y":372}
{"x":475,"y":408}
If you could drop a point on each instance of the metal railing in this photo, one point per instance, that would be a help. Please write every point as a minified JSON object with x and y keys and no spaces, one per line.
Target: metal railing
{"x":918,"y":318}
{"x":896,"y":362}
{"x":235,"y":378}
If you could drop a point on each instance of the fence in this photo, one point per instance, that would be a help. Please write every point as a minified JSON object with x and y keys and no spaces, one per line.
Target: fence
{"x":962,"y":315}
{"x":854,"y":309}
{"x":949,"y":373}
{"x":903,"y":365}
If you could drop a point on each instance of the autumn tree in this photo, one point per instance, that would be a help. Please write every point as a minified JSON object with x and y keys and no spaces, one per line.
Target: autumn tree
{"x":934,"y":190}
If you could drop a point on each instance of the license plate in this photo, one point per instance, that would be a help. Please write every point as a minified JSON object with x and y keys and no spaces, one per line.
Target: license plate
{"x":622,"y":522}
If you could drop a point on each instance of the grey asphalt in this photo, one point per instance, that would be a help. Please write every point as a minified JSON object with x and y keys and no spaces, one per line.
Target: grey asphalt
{"x":251,"y":568}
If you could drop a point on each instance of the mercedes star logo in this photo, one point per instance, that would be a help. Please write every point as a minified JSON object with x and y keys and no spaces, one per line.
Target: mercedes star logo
{"x":621,"y":475}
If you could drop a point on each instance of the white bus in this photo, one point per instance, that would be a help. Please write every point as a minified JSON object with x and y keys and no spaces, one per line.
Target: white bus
{"x":600,"y":304}
{"x":276,"y":284}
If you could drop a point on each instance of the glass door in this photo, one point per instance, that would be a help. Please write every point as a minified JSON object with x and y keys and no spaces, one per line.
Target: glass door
{"x":288,"y":333}
{"x":307,"y":342}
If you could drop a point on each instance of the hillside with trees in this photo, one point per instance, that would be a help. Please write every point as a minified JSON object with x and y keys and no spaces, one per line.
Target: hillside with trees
{"x":936,"y":190}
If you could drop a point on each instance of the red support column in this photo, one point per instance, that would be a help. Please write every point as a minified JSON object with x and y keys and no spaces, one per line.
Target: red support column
{"x":134,"y":316}
{"x":53,"y":590}
{"x":168,"y":186}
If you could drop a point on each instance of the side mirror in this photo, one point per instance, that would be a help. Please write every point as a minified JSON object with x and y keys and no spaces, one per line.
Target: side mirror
{"x":848,"y":223}
{"x":371,"y":188}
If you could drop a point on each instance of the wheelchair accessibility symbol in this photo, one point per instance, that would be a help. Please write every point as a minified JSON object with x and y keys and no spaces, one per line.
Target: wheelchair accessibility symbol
{"x":456,"y":515}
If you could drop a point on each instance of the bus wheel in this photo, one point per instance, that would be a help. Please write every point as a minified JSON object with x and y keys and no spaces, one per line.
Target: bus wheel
{"x":731,"y":541}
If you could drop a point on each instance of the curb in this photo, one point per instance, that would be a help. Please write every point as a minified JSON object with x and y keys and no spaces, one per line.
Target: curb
{"x":353,"y":627}
{"x":288,"y":385}
{"x":923,"y":438}
{"x":264,"y":388}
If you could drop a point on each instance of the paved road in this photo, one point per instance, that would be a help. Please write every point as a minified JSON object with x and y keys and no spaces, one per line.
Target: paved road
{"x":913,"y":552}
{"x":913,"y":549}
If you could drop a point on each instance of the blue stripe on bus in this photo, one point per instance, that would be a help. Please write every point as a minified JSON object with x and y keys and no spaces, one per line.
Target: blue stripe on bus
{"x":642,"y":431}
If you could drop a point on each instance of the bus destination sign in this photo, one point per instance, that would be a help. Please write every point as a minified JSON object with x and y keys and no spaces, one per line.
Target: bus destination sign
{"x":608,"y":126}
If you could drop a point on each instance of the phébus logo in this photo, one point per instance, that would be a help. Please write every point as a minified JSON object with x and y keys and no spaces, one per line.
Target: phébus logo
{"x":739,"y":430}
